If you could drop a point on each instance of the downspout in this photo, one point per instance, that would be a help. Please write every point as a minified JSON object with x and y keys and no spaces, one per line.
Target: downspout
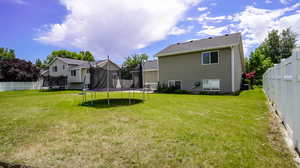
{"x":232,"y":70}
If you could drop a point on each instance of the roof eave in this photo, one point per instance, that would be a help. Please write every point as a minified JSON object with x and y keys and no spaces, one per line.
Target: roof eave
{"x":192,"y":51}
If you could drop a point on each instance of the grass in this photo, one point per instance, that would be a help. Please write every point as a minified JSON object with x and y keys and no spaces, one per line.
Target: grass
{"x":52,"y":129}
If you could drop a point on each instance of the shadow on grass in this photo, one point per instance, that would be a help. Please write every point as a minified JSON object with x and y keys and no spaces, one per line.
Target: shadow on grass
{"x":103,"y":103}
{"x":50,"y":90}
{"x":12,"y":165}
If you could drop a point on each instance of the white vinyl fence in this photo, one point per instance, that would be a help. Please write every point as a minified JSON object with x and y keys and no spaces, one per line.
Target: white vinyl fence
{"x":282,"y":86}
{"x":7,"y":86}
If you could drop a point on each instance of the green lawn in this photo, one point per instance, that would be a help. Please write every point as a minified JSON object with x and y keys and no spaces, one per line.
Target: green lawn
{"x":51,"y":129}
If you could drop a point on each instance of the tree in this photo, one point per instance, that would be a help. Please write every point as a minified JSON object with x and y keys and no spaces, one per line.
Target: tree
{"x":6,"y":53}
{"x":87,"y":56}
{"x":132,"y":62}
{"x":247,"y":64}
{"x":18,"y":70}
{"x":259,"y":62}
{"x":40,"y":63}
{"x":135,"y":59}
{"x":287,"y":42}
{"x":83,"y":55}
{"x":275,"y":47}
{"x":272,"y":46}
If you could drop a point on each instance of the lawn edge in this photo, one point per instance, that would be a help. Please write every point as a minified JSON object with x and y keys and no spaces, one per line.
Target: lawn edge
{"x":282,"y":132}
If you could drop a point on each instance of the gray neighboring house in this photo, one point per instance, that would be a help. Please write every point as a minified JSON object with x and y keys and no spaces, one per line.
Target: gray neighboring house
{"x":77,"y":71}
{"x":1,"y":75}
{"x":150,"y":73}
{"x":211,"y":64}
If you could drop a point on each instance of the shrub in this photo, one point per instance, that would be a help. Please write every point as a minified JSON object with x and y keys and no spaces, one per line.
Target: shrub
{"x":14,"y":70}
{"x":164,"y":88}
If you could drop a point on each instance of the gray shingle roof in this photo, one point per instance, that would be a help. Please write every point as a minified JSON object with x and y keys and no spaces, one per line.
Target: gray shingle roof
{"x":75,"y":62}
{"x":202,"y":44}
{"x":150,"y":65}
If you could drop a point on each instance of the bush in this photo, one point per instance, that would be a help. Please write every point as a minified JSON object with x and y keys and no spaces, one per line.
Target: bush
{"x":17,"y":70}
{"x":164,"y":88}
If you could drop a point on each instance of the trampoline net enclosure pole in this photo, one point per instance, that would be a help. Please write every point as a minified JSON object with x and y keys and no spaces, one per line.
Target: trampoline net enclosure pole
{"x":107,"y":83}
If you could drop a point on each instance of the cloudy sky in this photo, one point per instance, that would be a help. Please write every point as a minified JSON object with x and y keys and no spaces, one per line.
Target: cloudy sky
{"x":120,"y":28}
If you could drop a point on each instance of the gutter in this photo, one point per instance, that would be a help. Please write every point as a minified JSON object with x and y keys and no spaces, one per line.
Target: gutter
{"x":192,"y":51}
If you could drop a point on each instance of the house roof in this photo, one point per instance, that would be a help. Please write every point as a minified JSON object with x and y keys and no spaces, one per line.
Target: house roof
{"x":85,"y":64}
{"x":70,"y":61}
{"x":150,"y":65}
{"x":104,"y":63}
{"x":202,"y":44}
{"x":44,"y":72}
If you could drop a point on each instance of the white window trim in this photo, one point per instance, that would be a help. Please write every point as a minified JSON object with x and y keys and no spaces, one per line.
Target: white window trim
{"x":174,"y":83}
{"x":202,"y":62}
{"x":211,"y":90}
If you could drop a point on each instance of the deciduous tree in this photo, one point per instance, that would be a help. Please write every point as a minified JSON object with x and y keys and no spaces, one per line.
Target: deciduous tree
{"x":6,"y":53}
{"x":83,"y":55}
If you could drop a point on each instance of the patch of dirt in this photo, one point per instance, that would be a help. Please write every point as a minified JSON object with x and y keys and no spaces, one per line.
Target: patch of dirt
{"x":276,"y":135}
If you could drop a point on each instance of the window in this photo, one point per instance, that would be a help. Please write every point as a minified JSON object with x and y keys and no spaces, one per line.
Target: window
{"x":211,"y":84}
{"x":211,"y":57}
{"x":174,"y":83}
{"x":54,"y":69}
{"x":73,"y":72}
{"x":63,"y":67}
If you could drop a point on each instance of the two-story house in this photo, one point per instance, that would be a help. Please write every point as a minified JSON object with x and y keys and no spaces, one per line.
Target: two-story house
{"x":212,"y":64}
{"x":75,"y":72}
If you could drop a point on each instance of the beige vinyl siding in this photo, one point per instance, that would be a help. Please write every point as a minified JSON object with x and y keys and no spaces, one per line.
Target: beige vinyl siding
{"x":189,"y":69}
{"x":150,"y":77}
{"x":237,"y":68}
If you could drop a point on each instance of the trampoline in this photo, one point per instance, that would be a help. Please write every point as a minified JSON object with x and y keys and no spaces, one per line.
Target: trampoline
{"x":108,"y":79}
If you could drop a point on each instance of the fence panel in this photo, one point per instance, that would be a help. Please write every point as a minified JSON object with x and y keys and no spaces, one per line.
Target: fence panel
{"x":8,"y":86}
{"x":282,"y":86}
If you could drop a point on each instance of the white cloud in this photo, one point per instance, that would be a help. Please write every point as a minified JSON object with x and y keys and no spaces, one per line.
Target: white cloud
{"x":20,"y":2}
{"x":268,"y":1}
{"x":204,"y":18}
{"x":179,"y":31}
{"x":213,"y":31}
{"x":291,"y":21}
{"x":115,"y":27}
{"x":254,"y":23}
{"x":285,"y":2}
{"x":201,"y":9}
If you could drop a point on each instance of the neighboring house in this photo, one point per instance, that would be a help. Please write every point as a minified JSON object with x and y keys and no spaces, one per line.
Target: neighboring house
{"x":76,"y":72}
{"x":150,"y":74}
{"x":1,"y":75}
{"x":212,"y":64}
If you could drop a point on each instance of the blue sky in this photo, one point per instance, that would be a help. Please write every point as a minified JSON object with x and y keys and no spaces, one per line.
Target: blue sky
{"x":120,"y":28}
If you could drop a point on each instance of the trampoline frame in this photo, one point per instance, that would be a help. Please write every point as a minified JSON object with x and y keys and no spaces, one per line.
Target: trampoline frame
{"x":130,"y":91}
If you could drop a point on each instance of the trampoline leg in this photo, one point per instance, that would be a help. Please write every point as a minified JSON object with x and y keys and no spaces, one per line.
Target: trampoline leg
{"x":129,"y":97}
{"x":107,"y":96}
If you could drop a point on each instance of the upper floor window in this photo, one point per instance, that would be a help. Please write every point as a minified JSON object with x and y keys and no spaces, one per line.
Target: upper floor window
{"x":73,"y":72}
{"x":211,"y":57}
{"x":54,"y":69}
{"x":63,"y":67}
